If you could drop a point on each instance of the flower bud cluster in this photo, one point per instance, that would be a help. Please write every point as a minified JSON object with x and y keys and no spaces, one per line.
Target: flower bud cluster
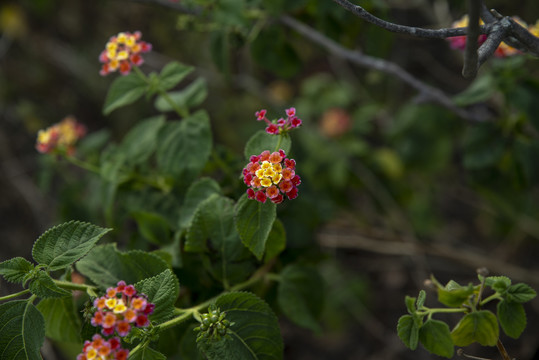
{"x":122,"y":52}
{"x":102,"y":349}
{"x":271,"y":175}
{"x":282,"y":125}
{"x":120,"y":309}
{"x":60,"y":137}
{"x":213,"y":324}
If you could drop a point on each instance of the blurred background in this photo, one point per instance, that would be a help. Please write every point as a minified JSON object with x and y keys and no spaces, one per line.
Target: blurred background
{"x":395,"y":188}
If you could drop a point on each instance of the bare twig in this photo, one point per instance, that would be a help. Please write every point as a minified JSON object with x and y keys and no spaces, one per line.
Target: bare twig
{"x":469,"y":69}
{"x":472,"y":258}
{"x":358,"y":58}
{"x":402,"y":29}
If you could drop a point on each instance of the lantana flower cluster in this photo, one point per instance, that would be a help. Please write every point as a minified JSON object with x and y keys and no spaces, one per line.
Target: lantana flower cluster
{"x":282,"y":125}
{"x":503,"y":50}
{"x":102,"y":349}
{"x":120,"y":309}
{"x":60,"y":137}
{"x":122,"y":52}
{"x":271,"y":176}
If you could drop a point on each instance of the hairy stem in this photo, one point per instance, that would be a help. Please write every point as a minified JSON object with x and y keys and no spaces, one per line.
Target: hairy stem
{"x":12,"y":296}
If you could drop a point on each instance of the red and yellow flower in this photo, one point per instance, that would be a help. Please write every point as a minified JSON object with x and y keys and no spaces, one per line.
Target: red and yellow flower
{"x":271,"y":176}
{"x":60,"y":137}
{"x":122,"y":52}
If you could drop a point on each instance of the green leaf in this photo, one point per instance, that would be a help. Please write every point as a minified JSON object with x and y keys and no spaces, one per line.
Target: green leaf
{"x":255,"y":334}
{"x":64,"y":244}
{"x":140,"y":142}
{"x":300,"y":295}
{"x":184,"y":147}
{"x":105,"y":265}
{"x":124,"y":91}
{"x":262,"y":141}
{"x":498,"y":283}
{"x":436,"y":338}
{"x":61,"y":320}
{"x":147,"y":353}
{"x":22,"y":331}
{"x":172,"y":74}
{"x":454,"y":295}
{"x":276,"y":242}
{"x":520,"y":293}
{"x":192,"y":95}
{"x":254,"y":221}
{"x":197,"y":192}
{"x":410,"y":304}
{"x":421,"y":299}
{"x":153,"y":227}
{"x":14,"y":270}
{"x":408,"y":331}
{"x":44,"y":287}
{"x":162,"y":290}
{"x":512,"y":318}
{"x":480,"y":326}
{"x":480,"y":90}
{"x":213,"y":230}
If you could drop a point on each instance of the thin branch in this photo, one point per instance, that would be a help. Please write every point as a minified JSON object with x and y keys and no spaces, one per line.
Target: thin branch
{"x":402,"y":29}
{"x":426,"y":91}
{"x":499,"y":33}
{"x":469,"y":70}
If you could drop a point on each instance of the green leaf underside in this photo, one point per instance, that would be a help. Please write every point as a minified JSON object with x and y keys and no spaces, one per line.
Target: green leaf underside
{"x":255,"y":334}
{"x":147,"y":353}
{"x":123,"y":91}
{"x":410,"y":304}
{"x":192,"y":95}
{"x":64,"y":244}
{"x":14,"y":270}
{"x":435,"y":336}
{"x":262,"y":141}
{"x":254,"y":221}
{"x":408,"y":331}
{"x":22,"y":331}
{"x":162,"y":290}
{"x":454,"y":295}
{"x":300,"y":295}
{"x":140,"y":142}
{"x":184,"y":147}
{"x":479,"y":326}
{"x":197,"y":192}
{"x":172,"y":74}
{"x":44,"y":287}
{"x":421,"y":299}
{"x":105,"y":265}
{"x":61,"y":320}
{"x":512,"y":318}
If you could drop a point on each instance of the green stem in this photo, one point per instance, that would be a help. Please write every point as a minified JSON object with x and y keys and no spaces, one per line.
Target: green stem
{"x":82,"y":164}
{"x":12,"y":296}
{"x":181,"y":112}
{"x":72,"y":286}
{"x":278,"y":146}
{"x":490,"y":298}
{"x":433,"y":311}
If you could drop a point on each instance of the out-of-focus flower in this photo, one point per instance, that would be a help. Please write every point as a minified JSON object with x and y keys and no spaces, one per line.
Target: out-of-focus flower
{"x":503,"y":50}
{"x":122,"y":52}
{"x":335,"y":122}
{"x":60,"y":137}
{"x":101,"y":349}
{"x":282,"y":125}
{"x":271,"y":176}
{"x":120,"y":309}
{"x":459,"y":42}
